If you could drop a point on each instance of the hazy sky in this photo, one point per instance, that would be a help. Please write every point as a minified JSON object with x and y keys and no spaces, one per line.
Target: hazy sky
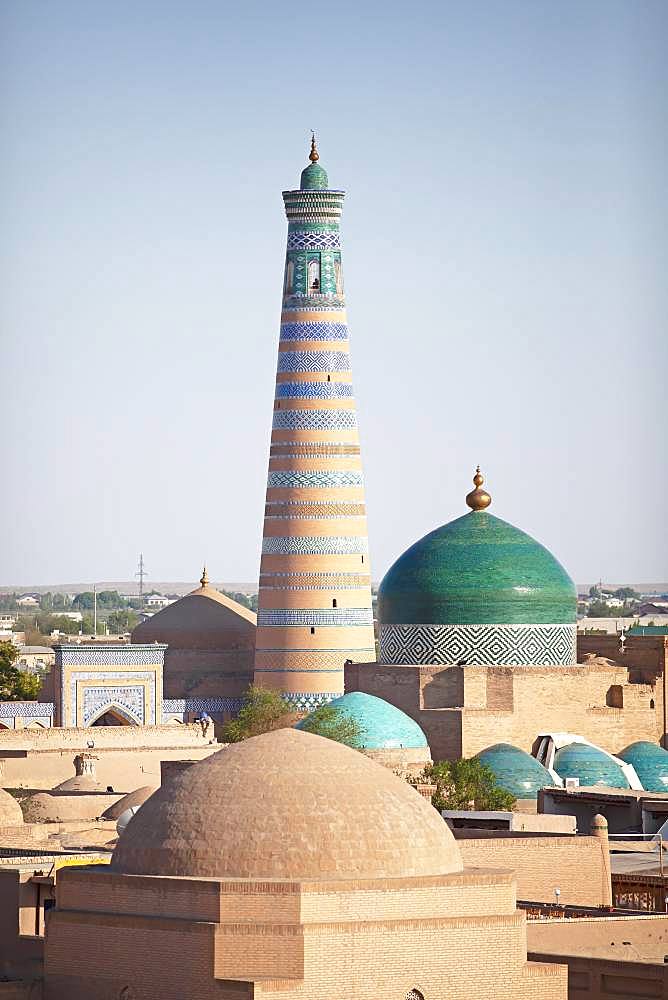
{"x":505,"y":261}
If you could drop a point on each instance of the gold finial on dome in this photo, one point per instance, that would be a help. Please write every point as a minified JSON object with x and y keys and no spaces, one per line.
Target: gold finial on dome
{"x":478,"y":498}
{"x":314,"y":154}
{"x":204,"y":579}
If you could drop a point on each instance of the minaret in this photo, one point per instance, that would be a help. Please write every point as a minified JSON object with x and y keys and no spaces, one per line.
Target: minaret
{"x":314,"y":608}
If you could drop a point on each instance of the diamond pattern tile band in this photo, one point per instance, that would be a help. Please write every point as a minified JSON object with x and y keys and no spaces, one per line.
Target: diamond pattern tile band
{"x":313,"y":480}
{"x":313,"y":361}
{"x":511,"y":645}
{"x":322,"y":545}
{"x":314,"y":390}
{"x":316,"y":616}
{"x":314,"y":331}
{"x":314,"y":420}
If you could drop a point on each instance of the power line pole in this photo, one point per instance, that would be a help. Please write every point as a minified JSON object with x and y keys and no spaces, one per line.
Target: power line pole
{"x":95,"y":609}
{"x":141,"y":574}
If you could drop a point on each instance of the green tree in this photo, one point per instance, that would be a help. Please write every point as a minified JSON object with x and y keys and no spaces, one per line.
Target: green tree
{"x":594,"y":592}
{"x":465,"y":784}
{"x":263,"y":710}
{"x":122,"y":621}
{"x":15,"y":684}
{"x":626,"y":594}
{"x":599,"y":609}
{"x":334,"y":725}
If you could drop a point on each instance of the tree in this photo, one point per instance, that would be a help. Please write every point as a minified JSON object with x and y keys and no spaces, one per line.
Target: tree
{"x":263,"y":710}
{"x":594,"y":592}
{"x":626,"y":594}
{"x":334,"y":724}
{"x":15,"y":684}
{"x":122,"y":621}
{"x":465,"y":784}
{"x":599,"y":609}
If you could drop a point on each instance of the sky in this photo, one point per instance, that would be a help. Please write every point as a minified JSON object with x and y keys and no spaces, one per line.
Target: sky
{"x":505,"y":260}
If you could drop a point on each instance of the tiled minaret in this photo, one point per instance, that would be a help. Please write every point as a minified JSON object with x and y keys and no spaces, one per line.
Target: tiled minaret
{"x":315,"y":588}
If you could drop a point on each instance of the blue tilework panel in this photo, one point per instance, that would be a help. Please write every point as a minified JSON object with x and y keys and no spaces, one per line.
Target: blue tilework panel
{"x":314,"y":420}
{"x":128,"y":699}
{"x":314,"y":390}
{"x":313,"y":480}
{"x":313,"y":361}
{"x":26,"y":709}
{"x":315,"y":616}
{"x":512,"y":645}
{"x":312,"y":330}
{"x":301,"y":240}
{"x":317,"y":546}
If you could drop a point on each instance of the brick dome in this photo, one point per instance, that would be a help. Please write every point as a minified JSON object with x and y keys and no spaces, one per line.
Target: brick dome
{"x":10,"y":810}
{"x":287,"y":805}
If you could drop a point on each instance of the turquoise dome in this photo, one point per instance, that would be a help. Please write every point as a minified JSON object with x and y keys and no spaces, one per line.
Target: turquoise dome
{"x":650,"y":762}
{"x":590,"y":765}
{"x":385,"y":727}
{"x":314,"y":178}
{"x":476,"y":570}
{"x":516,"y":770}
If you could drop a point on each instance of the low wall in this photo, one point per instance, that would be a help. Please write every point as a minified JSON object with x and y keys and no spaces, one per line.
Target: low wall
{"x":123,"y":737}
{"x":124,"y":768}
{"x":578,"y":866}
{"x":632,"y":938}
{"x":607,"y":979}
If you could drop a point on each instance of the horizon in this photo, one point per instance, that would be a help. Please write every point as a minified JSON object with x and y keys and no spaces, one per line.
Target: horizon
{"x":502,"y":254}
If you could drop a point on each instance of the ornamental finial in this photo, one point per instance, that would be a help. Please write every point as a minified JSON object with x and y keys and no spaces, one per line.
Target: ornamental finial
{"x":204,"y":579}
{"x":478,"y":498}
{"x":314,"y":154}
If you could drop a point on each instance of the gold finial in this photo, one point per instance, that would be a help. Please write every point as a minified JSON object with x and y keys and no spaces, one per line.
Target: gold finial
{"x":478,"y":498}
{"x":204,"y":579}
{"x":314,"y":154}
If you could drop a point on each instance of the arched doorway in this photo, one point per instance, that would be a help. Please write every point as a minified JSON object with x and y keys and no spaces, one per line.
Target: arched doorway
{"x":113,"y":717}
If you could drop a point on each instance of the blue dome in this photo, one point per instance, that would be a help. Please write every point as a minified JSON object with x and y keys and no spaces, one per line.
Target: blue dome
{"x":590,"y":765}
{"x":384,"y":726}
{"x":650,"y":762}
{"x":516,"y":770}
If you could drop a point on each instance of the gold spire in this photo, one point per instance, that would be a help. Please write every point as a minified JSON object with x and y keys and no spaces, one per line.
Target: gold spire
{"x":204,"y":579}
{"x":314,"y":154}
{"x":478,"y":498}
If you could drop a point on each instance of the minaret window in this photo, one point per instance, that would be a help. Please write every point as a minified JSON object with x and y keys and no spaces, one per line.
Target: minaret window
{"x":338,"y":277}
{"x":312,"y":630}
{"x":334,"y":603}
{"x":289,"y":277}
{"x":314,"y":274}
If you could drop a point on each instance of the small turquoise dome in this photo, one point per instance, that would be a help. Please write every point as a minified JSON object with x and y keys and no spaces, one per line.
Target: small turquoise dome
{"x":385,"y":727}
{"x":314,"y":178}
{"x":516,"y":770}
{"x":650,"y":762}
{"x":590,"y":765}
{"x":476,"y":570}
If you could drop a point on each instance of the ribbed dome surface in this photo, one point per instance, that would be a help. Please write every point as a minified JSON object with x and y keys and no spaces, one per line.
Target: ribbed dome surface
{"x":287,"y":805}
{"x":590,"y":765}
{"x":476,"y":570}
{"x":516,"y":770}
{"x":384,"y":726}
{"x":650,"y":762}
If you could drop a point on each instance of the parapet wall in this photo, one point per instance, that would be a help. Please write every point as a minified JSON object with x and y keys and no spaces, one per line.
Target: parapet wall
{"x":127,"y":756}
{"x":578,"y":866}
{"x":119,"y":737}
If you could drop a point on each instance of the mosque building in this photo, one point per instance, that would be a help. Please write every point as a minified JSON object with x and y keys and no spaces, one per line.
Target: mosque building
{"x":478,"y":644}
{"x":314,"y":608}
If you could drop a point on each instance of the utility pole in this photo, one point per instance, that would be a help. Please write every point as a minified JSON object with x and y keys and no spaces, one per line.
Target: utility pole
{"x":95,"y":610}
{"x":141,"y":574}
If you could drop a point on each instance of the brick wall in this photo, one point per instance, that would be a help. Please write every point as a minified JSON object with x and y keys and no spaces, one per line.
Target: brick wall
{"x":579,"y":866}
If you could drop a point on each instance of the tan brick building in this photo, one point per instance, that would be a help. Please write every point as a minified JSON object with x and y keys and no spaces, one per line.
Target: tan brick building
{"x":290,"y":865}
